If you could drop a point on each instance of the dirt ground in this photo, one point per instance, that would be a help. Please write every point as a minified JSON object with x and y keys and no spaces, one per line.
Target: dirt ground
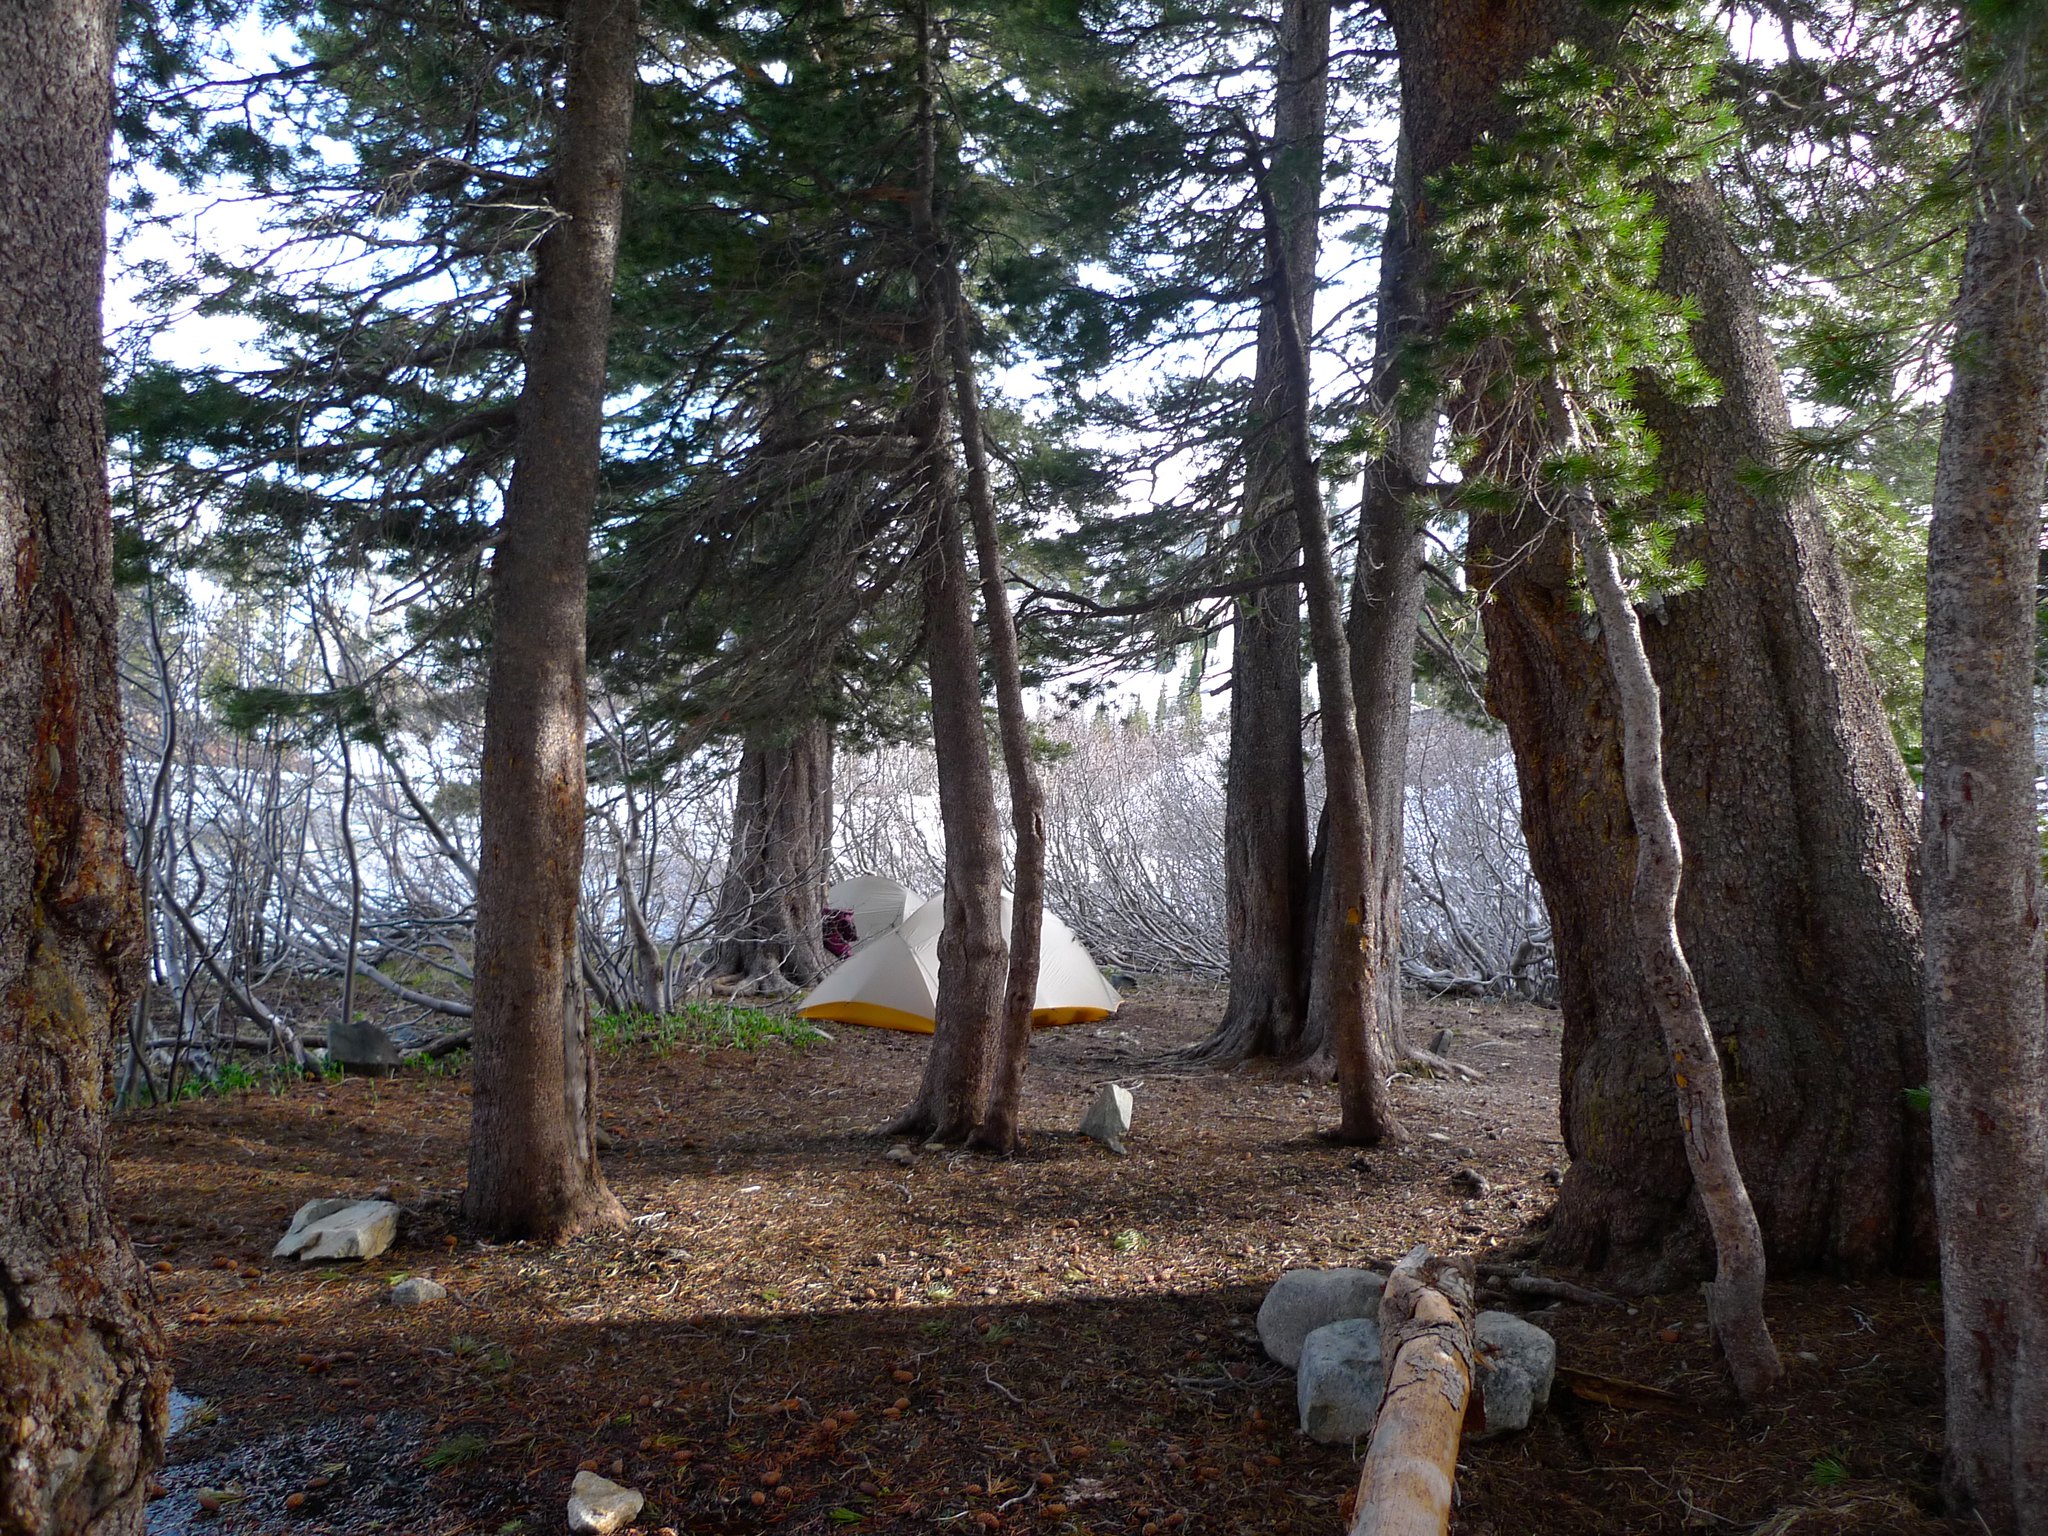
{"x":798,"y":1334}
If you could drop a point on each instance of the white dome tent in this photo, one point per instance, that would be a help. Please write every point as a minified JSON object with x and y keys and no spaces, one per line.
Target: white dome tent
{"x":893,"y":982}
{"x":877,"y":903}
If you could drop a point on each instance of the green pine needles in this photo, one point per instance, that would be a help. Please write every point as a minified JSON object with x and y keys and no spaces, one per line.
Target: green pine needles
{"x":1549,"y":242}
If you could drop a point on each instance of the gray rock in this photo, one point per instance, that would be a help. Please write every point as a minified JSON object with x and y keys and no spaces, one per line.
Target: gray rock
{"x":339,"y":1229}
{"x":1517,"y":1362}
{"x":599,"y":1506}
{"x":1471,"y":1180}
{"x":1339,"y":1385}
{"x":1109,"y":1118}
{"x":416,"y":1292}
{"x":901,"y":1154}
{"x":1303,"y":1300}
{"x":361,"y":1047}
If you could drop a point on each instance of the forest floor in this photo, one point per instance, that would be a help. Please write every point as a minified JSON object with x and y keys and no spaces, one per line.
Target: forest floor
{"x":798,"y":1334}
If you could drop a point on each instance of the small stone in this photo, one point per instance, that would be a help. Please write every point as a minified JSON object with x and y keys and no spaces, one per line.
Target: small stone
{"x":1109,"y":1118}
{"x":901,"y":1154}
{"x":1303,"y":1300}
{"x":1472,"y":1181}
{"x":598,"y":1506}
{"x":1553,"y":1176}
{"x":418,"y":1291}
{"x":603,"y":1139}
{"x":339,"y":1229}
{"x":1340,"y":1381}
{"x":1517,"y":1361}
{"x":363,"y":1047}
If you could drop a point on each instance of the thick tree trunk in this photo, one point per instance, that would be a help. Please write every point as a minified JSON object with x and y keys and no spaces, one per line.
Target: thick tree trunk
{"x":1265,"y":809}
{"x":1735,"y":1301}
{"x":82,"y":1378}
{"x":998,"y":1129}
{"x":1788,"y":791}
{"x":952,"y":1097}
{"x":532,"y":1149}
{"x":769,"y":919}
{"x":1799,"y":917}
{"x":1987,"y":1037}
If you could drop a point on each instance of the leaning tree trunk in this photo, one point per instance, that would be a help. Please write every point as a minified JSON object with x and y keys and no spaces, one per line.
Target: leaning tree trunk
{"x":1789,"y":793}
{"x":1981,"y":846}
{"x":769,"y":918}
{"x":1266,"y":884}
{"x":952,"y":1097}
{"x":82,"y":1379}
{"x":1735,"y":1300}
{"x":998,"y":1129}
{"x":532,"y":1141}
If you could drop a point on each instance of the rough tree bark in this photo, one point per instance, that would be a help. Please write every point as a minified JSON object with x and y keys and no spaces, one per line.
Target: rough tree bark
{"x":770,"y":904}
{"x":1265,"y":808}
{"x":1735,"y":1300}
{"x":82,"y":1375}
{"x":1788,"y":790}
{"x":1345,"y":948}
{"x":998,"y":1129}
{"x":1386,"y":602}
{"x":532,"y":1149}
{"x":1981,"y":849}
{"x":952,"y":1096}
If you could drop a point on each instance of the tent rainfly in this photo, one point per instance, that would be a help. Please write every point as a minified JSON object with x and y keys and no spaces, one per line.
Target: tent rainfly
{"x":876,"y":902}
{"x":893,"y":983}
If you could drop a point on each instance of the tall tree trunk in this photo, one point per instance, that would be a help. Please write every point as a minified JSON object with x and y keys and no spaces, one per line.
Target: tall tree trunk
{"x":82,"y":1377}
{"x":952,"y":1097}
{"x":1345,"y":947}
{"x":1735,"y":1301}
{"x":998,"y":1129}
{"x":769,"y":918}
{"x":1789,"y":793}
{"x":532,"y":1149}
{"x":1386,"y":598}
{"x":1265,"y":808}
{"x":1981,"y":844}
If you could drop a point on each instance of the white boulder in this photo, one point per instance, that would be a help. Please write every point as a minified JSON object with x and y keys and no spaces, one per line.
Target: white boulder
{"x":1109,"y":1118}
{"x":599,"y":1506}
{"x":339,"y":1229}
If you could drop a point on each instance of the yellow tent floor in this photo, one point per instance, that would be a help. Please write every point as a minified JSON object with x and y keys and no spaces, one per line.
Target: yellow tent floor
{"x":876,"y":1017}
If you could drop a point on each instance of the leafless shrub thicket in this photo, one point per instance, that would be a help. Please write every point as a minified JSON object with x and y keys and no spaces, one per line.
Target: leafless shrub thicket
{"x":1473,"y":919}
{"x":303,"y":859}
{"x":1134,"y":832}
{"x":307,"y":859}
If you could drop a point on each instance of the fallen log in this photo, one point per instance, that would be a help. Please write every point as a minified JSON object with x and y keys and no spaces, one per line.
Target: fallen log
{"x":1411,"y":1466}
